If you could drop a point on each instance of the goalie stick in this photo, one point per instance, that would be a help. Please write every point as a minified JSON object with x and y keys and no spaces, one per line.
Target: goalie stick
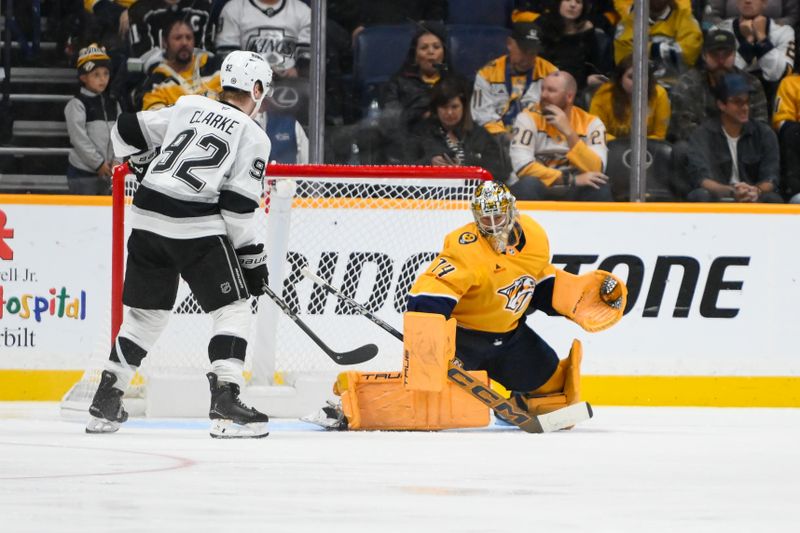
{"x":353,"y":357}
{"x":553,"y":421}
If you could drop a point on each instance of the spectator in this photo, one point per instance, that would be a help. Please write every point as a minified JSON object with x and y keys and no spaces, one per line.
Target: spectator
{"x":601,"y":13}
{"x":693,"y":98}
{"x":559,"y":150}
{"x":280,"y":30}
{"x":90,"y":116}
{"x":786,"y":122}
{"x":510,"y":83}
{"x":449,"y":137}
{"x":675,"y":39}
{"x":763,"y":47}
{"x":406,"y":98}
{"x":612,"y":104}
{"x":183,"y":71}
{"x":149,"y":19}
{"x":108,"y":20}
{"x":288,"y":138}
{"x":733,"y":157}
{"x":784,"y":12}
{"x":570,"y":43}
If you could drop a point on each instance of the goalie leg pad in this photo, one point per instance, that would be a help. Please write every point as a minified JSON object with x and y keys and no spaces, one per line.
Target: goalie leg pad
{"x":428,"y":345}
{"x":379,"y":401}
{"x":562,"y":389}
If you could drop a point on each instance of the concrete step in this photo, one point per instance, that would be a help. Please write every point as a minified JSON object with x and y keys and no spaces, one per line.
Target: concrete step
{"x":34,"y":183}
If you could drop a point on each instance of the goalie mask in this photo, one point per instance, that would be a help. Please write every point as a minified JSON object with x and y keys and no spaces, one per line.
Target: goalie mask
{"x":495,"y":212}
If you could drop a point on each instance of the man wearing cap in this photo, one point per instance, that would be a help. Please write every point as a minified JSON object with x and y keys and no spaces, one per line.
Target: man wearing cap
{"x":693,"y":97}
{"x":90,"y":115}
{"x":694,"y":100}
{"x":510,"y":83}
{"x":732,"y":157}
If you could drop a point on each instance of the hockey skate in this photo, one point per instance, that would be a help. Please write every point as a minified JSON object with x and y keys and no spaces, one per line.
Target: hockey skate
{"x":230,"y":418}
{"x":329,"y":417}
{"x":107,"y":412}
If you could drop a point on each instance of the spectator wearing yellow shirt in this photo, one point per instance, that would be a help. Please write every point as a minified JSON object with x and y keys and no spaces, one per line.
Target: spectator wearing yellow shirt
{"x":675,"y":38}
{"x":786,"y":122}
{"x":612,"y":104}
{"x":183,"y":71}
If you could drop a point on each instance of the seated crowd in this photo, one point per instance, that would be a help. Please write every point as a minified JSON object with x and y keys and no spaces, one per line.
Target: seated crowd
{"x":722,"y":91}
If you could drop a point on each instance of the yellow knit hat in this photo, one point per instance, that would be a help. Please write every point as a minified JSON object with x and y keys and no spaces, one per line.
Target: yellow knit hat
{"x":91,"y":57}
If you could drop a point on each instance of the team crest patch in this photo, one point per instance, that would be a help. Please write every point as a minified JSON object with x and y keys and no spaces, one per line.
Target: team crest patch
{"x":225,"y":287}
{"x":467,"y":238}
{"x":519,"y":293}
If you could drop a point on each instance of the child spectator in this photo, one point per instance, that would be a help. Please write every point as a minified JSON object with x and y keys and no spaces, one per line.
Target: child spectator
{"x":90,"y":116}
{"x":612,"y":104}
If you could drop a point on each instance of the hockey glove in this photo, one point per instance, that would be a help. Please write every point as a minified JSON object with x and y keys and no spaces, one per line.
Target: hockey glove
{"x":595,"y":301}
{"x":253,"y":261}
{"x":138,"y":163}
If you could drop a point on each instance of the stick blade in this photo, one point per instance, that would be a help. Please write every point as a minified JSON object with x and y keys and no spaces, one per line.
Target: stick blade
{"x":361,"y":354}
{"x":565,"y":417}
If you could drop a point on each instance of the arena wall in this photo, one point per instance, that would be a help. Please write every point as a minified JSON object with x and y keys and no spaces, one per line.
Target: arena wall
{"x":712,"y":294}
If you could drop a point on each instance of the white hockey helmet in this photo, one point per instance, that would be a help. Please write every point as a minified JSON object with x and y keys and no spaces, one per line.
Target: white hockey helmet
{"x":241,"y":70}
{"x":495,"y":213}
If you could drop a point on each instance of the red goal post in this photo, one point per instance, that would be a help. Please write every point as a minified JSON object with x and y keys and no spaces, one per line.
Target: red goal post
{"x":368,"y":230}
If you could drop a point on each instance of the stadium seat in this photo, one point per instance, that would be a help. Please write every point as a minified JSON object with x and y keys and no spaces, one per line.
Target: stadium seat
{"x":479,"y":12}
{"x":379,"y":52}
{"x":660,"y":168}
{"x":471,"y":47}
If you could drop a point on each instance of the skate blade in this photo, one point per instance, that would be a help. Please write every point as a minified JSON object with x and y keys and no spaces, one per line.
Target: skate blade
{"x":101,"y":425}
{"x":228,"y":429}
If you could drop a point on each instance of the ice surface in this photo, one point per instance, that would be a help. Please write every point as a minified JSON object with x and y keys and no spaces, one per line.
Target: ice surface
{"x":628,"y":469}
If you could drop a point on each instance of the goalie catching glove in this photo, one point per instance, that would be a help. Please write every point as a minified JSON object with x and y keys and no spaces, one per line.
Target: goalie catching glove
{"x":595,"y":301}
{"x":253,"y":261}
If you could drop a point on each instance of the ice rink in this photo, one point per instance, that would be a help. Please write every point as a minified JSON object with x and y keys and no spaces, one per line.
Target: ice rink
{"x":628,"y":469}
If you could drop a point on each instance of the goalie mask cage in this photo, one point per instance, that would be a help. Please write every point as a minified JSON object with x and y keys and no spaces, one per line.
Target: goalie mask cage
{"x":367,"y":230}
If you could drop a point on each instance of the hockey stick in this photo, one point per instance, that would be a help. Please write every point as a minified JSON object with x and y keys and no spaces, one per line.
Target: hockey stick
{"x":553,"y":421}
{"x":353,"y":357}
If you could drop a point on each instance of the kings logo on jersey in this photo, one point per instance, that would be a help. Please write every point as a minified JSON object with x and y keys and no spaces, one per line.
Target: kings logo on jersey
{"x":519,"y":293}
{"x":272,"y":43}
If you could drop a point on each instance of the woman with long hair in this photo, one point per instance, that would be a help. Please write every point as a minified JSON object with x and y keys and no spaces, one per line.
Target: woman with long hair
{"x":450,"y":137}
{"x":569,"y":41}
{"x":612,"y":104}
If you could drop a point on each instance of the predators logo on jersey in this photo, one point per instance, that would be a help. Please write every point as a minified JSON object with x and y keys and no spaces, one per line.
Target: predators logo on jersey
{"x":467,"y":238}
{"x":519,"y":293}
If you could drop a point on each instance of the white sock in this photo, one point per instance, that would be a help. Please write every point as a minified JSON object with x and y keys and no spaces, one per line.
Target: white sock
{"x":229,"y":370}
{"x":124,"y":374}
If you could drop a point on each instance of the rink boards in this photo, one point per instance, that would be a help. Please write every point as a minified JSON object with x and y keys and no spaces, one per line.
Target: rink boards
{"x":713,"y":292}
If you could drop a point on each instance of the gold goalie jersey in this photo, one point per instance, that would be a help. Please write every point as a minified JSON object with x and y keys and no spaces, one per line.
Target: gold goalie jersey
{"x":487,"y":291}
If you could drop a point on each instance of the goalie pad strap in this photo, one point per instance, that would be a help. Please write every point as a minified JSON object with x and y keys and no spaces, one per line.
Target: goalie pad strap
{"x":428,"y":345}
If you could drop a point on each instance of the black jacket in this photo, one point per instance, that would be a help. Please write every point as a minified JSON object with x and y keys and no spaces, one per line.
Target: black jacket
{"x":757,"y":151}
{"x":480,"y":148}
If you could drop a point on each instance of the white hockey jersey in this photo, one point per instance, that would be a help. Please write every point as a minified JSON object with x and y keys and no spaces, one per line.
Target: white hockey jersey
{"x":208,"y":178}
{"x":777,"y":62}
{"x":281,"y":33}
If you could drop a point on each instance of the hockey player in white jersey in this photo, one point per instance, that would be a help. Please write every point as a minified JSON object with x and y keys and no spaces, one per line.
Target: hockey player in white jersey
{"x":279,"y":30}
{"x":191,"y":217}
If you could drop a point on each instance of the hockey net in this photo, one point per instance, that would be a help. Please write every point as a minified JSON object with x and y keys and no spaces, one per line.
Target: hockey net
{"x":369,"y":231}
